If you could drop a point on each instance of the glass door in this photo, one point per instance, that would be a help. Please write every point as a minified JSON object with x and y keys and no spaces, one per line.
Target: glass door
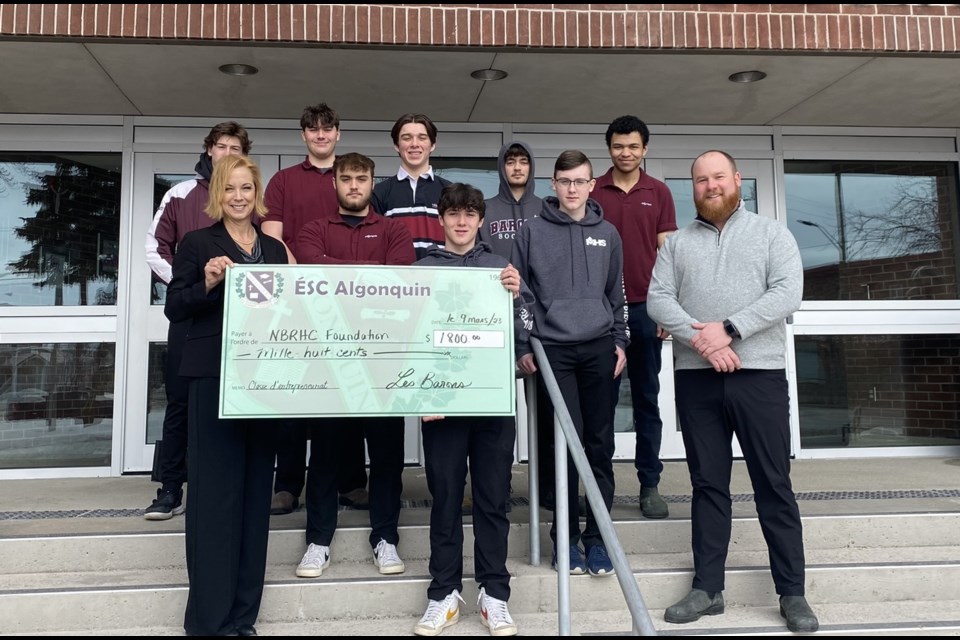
{"x":154,"y":174}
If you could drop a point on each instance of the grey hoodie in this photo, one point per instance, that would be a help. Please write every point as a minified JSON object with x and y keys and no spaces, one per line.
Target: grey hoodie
{"x":481,"y":256}
{"x":749,"y":273}
{"x":505,"y":215}
{"x":575,"y":270}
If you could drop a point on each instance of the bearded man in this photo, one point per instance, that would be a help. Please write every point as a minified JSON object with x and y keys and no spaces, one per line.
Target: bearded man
{"x":724,"y":286}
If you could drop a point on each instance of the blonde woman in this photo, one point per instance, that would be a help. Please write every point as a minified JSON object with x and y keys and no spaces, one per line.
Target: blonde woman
{"x":230,"y":467}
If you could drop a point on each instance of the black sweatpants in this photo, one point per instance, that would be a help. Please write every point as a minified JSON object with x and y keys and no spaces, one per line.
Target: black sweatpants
{"x":172,"y":463}
{"x":584,"y":373}
{"x":487,"y":442}
{"x":292,"y":458}
{"x":384,"y":438}
{"x":754,"y":404}
{"x":229,"y":471}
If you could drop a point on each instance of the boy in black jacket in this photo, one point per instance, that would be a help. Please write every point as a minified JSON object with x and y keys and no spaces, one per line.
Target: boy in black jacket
{"x":486,"y":441}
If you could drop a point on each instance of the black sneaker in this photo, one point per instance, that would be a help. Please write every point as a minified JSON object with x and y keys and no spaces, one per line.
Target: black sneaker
{"x":167,"y":505}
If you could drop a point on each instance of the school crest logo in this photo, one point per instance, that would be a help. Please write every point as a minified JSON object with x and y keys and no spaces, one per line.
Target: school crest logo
{"x":259,"y":288}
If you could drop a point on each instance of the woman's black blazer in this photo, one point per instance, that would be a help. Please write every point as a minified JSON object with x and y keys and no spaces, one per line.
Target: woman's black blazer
{"x":187,"y":298}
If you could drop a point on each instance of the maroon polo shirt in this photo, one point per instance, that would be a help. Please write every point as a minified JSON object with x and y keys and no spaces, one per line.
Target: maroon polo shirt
{"x":639,"y":215}
{"x":376,"y":240}
{"x":298,"y":194}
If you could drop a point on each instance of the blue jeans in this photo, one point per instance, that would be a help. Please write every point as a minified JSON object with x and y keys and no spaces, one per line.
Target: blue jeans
{"x":643,"y":367}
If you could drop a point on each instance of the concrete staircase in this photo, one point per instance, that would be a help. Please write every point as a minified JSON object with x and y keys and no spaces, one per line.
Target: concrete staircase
{"x":873,"y":568}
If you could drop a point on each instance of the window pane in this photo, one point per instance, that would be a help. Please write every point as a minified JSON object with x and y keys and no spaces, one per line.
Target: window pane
{"x":481,"y":173}
{"x":682,"y":190}
{"x":57,"y":404}
{"x":156,"y":391}
{"x":623,"y":412}
{"x":59,"y":229}
{"x":877,"y":231}
{"x":162,"y":184}
{"x":878,"y":390}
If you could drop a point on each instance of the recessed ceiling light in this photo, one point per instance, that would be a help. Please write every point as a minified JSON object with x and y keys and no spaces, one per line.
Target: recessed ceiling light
{"x":489,"y":74}
{"x":747,"y":76}
{"x":239,"y":69}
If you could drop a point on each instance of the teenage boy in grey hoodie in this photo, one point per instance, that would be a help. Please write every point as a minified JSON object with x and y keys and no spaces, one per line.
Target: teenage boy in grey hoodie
{"x":486,"y":441}
{"x":572,"y":260}
{"x":723,"y":286}
{"x":516,"y":202}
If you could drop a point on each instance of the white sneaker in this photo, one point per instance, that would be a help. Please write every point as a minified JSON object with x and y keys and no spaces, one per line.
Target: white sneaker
{"x":495,"y":615}
{"x":440,"y":614}
{"x":315,"y":560}
{"x":386,"y":557}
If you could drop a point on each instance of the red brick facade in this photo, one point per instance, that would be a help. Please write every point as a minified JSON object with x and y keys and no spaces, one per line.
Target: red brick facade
{"x":867,"y":28}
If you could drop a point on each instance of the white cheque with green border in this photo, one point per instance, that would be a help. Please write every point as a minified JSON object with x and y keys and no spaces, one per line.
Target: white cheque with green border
{"x":316,"y":340}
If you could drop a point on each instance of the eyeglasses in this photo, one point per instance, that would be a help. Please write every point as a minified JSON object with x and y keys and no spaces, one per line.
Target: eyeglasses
{"x":579,"y":183}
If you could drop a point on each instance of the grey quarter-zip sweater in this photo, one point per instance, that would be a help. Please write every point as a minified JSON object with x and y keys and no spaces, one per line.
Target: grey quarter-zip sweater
{"x":749,"y":272}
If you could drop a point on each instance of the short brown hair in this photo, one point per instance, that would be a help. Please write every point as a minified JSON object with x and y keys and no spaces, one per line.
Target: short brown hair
{"x":461,"y":196}
{"x":355,"y":162}
{"x":571,"y":160}
{"x":230,"y":129}
{"x":414,"y":118}
{"x":733,"y":163}
{"x":319,"y":114}
{"x":218,"y":184}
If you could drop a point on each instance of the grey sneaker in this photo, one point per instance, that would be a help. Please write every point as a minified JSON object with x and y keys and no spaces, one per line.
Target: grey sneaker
{"x":693,"y":605}
{"x":652,"y":505}
{"x":166,"y":505}
{"x":800,"y":617}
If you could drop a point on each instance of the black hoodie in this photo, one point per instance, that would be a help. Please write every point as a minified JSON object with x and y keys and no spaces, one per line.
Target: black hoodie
{"x":204,"y":166}
{"x":481,"y":256}
{"x":505,"y":215}
{"x":575,"y":270}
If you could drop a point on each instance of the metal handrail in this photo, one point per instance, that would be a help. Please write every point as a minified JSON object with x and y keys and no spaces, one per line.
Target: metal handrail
{"x":564,"y":431}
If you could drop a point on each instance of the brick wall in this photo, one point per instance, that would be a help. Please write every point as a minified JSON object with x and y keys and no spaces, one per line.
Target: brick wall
{"x":892,"y":386}
{"x":907,"y":383}
{"x":748,"y":27}
{"x":928,"y":276}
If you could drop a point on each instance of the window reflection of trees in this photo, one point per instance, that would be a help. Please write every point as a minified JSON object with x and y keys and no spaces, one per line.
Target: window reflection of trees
{"x":874,"y":231}
{"x":72,"y":236}
{"x":908,"y":222}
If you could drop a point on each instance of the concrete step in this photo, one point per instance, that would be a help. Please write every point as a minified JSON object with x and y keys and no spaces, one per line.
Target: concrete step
{"x":131,"y":551}
{"x":355,"y":590}
{"x":941,"y":618}
{"x":881,"y":561}
{"x":363,"y":569}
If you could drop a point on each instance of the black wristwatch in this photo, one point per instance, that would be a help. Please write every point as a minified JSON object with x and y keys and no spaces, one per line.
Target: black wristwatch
{"x":730,"y":329}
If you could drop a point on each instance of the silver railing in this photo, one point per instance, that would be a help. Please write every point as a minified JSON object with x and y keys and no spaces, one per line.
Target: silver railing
{"x":564,"y":431}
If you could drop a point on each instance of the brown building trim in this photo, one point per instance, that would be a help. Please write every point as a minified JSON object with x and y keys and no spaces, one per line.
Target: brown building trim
{"x":870,"y":28}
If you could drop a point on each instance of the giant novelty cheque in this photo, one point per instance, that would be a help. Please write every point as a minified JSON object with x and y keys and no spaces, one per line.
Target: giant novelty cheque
{"x":317,"y":340}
